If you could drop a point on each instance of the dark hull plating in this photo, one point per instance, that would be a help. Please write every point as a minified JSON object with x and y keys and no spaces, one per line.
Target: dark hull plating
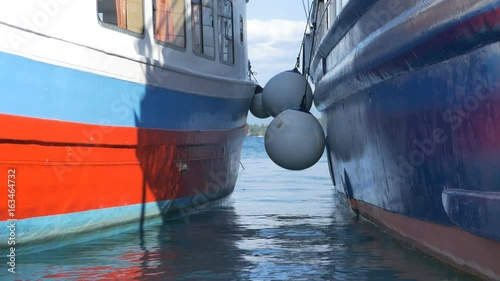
{"x":413,"y":110}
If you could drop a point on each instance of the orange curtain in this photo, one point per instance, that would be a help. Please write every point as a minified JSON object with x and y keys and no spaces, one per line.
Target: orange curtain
{"x":164,"y":26}
{"x":135,"y":19}
{"x":121,"y":13}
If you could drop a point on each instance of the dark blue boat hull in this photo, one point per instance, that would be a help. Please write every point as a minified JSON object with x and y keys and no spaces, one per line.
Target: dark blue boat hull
{"x":413,"y":121}
{"x":400,"y":144}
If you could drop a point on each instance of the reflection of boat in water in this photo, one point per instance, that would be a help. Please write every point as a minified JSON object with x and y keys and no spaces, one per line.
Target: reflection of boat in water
{"x":113,"y":111}
{"x":410,"y":90}
{"x":205,"y":248}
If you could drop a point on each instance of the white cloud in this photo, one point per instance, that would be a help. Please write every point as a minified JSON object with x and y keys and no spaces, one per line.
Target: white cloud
{"x":273,"y":46}
{"x":276,"y":29}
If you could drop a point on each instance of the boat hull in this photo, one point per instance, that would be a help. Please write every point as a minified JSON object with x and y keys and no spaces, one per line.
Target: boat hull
{"x":412,"y":127}
{"x":129,"y":174}
{"x":449,"y":244}
{"x":392,"y":153}
{"x":89,"y":151}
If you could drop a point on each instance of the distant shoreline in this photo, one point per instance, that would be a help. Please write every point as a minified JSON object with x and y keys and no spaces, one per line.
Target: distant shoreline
{"x":256,"y":130}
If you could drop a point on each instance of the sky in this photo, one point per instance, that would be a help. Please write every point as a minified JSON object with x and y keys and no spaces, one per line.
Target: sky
{"x":275,"y":30}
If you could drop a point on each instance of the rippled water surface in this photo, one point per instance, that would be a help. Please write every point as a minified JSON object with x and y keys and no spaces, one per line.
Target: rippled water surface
{"x":277,"y":225}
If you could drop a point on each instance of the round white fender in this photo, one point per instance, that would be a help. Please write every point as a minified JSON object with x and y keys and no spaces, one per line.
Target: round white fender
{"x":285,"y":91}
{"x":257,"y":106}
{"x":295,"y":140}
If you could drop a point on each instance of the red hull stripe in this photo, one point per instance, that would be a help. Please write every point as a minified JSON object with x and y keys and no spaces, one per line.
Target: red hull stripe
{"x":64,"y":167}
{"x":16,"y":129}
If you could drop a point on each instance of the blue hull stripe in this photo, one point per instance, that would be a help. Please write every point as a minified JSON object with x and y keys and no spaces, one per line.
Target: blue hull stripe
{"x":35,"y":89}
{"x":52,"y":228}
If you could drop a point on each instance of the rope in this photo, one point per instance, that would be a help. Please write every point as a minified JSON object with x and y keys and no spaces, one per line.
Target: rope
{"x":303,"y":103}
{"x":255,"y":78}
{"x":304,"y":6}
{"x":324,"y":13}
{"x":297,"y":64}
{"x":252,"y":73}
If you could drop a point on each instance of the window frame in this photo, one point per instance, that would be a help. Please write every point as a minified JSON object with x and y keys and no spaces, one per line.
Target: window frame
{"x":220,"y":33}
{"x":123,"y":30}
{"x":195,"y":52}
{"x":166,"y":44}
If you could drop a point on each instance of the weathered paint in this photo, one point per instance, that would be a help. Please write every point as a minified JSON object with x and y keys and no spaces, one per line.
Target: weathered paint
{"x":103,"y":127}
{"x":58,"y":173}
{"x":452,"y":245}
{"x":413,"y":110}
{"x":90,"y":150}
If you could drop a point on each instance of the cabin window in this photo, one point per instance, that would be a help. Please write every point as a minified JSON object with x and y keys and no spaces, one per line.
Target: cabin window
{"x":169,"y":22}
{"x":226,"y":42}
{"x":124,"y":14}
{"x":203,"y":27}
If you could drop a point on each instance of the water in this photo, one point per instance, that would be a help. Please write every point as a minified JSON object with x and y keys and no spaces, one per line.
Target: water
{"x":277,"y":225}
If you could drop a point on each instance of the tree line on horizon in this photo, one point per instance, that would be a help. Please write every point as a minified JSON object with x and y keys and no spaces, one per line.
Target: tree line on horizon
{"x":257,"y":130}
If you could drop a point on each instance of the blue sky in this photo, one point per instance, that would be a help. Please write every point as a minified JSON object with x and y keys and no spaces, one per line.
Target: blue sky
{"x":276,"y":9}
{"x":275,"y":30}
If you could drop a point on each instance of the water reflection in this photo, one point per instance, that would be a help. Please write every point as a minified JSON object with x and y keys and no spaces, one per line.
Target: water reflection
{"x":204,"y":249}
{"x":278,"y":225}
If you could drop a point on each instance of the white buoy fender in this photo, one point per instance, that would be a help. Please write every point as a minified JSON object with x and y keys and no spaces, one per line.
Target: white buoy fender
{"x":285,"y":91}
{"x":257,"y":106}
{"x":294,"y":140}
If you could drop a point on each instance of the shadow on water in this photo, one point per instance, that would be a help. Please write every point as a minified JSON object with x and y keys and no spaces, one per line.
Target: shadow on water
{"x":205,"y":249}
